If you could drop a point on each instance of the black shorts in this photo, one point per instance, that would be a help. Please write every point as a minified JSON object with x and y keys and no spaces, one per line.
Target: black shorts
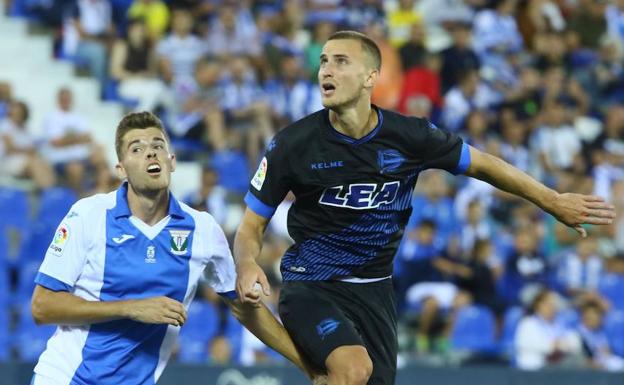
{"x":321,"y":316}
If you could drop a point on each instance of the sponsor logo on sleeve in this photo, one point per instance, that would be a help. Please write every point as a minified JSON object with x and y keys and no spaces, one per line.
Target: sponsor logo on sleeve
{"x":60,"y":239}
{"x":258,"y":178}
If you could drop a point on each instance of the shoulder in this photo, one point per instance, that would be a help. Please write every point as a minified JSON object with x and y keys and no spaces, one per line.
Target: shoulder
{"x":298,"y":132}
{"x":98,"y":203}
{"x":203,"y":220}
{"x":410,"y":126}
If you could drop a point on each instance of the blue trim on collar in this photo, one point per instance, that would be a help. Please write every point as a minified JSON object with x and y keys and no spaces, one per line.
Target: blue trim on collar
{"x":353,"y":141}
{"x":122,"y":209}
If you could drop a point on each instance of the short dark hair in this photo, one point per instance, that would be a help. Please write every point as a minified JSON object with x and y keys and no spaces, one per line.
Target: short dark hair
{"x":370,"y":47}
{"x":136,"y":120}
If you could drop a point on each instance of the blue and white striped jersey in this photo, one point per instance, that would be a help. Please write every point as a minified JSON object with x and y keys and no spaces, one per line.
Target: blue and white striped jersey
{"x":100,"y":252}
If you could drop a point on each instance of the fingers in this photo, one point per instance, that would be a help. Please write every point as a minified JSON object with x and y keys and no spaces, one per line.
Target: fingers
{"x":592,"y":198}
{"x":264,"y":282}
{"x":598,"y":213}
{"x":599,"y":206}
{"x":597,"y":221}
{"x":581,"y":231}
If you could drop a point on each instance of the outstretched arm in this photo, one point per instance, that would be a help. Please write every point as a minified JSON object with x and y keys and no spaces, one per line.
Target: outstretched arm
{"x":568,"y":208}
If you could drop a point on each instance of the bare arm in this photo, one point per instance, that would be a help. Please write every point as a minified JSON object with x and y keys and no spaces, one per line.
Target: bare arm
{"x":568,"y":208}
{"x":247,"y":246}
{"x":260,"y":321}
{"x":61,"y":307}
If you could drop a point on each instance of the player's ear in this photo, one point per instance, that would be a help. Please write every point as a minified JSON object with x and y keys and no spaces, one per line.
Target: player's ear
{"x":120,"y":171}
{"x":371,"y":79}
{"x":173,"y":160}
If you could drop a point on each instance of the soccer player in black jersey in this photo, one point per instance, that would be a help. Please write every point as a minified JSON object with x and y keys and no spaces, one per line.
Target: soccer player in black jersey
{"x":352,"y":168}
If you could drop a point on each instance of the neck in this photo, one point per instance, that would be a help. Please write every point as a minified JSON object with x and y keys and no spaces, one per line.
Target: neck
{"x":150,"y":207}
{"x":354,"y":121}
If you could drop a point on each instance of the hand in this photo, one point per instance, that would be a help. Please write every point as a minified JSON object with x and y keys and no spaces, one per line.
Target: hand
{"x":157,"y":310}
{"x":248,"y":274}
{"x":576,"y":209}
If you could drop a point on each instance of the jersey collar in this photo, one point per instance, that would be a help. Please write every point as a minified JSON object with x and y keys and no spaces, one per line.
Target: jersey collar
{"x":347,"y":138}
{"x":122,"y":209}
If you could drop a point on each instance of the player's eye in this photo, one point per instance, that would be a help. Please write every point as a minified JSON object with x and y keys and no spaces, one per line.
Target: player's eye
{"x":159,"y":146}
{"x":136,"y":150}
{"x":342,"y":60}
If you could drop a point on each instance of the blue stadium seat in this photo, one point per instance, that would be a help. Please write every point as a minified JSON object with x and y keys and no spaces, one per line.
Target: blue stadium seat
{"x":55,"y":202}
{"x":474,"y":330}
{"x":14,"y":207}
{"x":5,"y":338}
{"x":511,"y":319}
{"x":202,"y":324}
{"x":234,"y":333}
{"x":30,"y":340}
{"x":612,"y":288}
{"x":26,"y":283}
{"x":36,"y":243}
{"x":614,"y":327}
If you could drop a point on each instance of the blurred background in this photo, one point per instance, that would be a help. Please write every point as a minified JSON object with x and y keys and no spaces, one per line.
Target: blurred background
{"x":486,"y":283}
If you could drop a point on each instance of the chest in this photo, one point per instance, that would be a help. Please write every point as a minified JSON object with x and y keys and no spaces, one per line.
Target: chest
{"x":136,"y":265}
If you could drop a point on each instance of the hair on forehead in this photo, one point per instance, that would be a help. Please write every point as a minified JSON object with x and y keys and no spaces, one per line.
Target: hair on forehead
{"x":136,"y":121}
{"x":370,"y":47}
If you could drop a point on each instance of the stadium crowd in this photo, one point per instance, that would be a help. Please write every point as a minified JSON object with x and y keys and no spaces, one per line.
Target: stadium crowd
{"x":480,"y":276}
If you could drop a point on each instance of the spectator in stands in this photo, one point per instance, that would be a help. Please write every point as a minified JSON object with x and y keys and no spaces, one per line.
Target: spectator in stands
{"x":93,"y":30}
{"x":210,"y":197}
{"x":608,"y":151}
{"x":556,"y":141}
{"x":198,"y":115}
{"x":594,"y":339}
{"x":246,"y":107}
{"x":434,"y":200}
{"x":292,"y":95}
{"x":614,"y":14}
{"x":388,"y":87}
{"x":233,"y":33}
{"x":179,"y":51}
{"x":320,"y":33}
{"x":154,"y":13}
{"x":475,"y":226}
{"x":588,"y":22}
{"x":580,"y":272}
{"x":459,"y":57}
{"x":5,"y":98}
{"x":401,"y":20}
{"x":525,"y":267}
{"x":422,"y":80}
{"x":361,"y":13}
{"x":69,"y":145}
{"x":414,"y":258}
{"x":608,"y":73}
{"x":18,"y":153}
{"x":496,"y":39}
{"x":513,"y":148}
{"x":541,"y":341}
{"x":469,"y":94}
{"x":133,"y":65}
{"x":413,"y":51}
{"x":558,"y":87}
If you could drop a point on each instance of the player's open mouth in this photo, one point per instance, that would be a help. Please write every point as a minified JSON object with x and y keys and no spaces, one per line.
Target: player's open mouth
{"x":327,"y":89}
{"x":153,"y":169}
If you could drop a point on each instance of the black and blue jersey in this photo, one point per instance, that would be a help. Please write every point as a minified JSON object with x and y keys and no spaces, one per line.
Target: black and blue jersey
{"x":353,"y":196}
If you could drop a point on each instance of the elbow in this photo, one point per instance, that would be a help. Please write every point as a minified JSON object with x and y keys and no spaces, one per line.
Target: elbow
{"x":39,"y":311}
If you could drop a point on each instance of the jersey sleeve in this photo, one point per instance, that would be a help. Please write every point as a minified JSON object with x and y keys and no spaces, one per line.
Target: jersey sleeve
{"x":269,"y":184}
{"x":220,"y":272}
{"x":65,"y":257}
{"x":444,"y":150}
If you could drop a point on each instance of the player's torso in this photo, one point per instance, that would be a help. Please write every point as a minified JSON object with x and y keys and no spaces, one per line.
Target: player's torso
{"x":352,"y":197}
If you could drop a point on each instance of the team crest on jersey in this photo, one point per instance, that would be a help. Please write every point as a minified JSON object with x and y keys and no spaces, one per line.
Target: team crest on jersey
{"x":60,"y":239}
{"x":179,"y":241}
{"x":360,"y":196}
{"x":389,"y":160}
{"x":150,"y":254}
{"x":258,"y":179}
